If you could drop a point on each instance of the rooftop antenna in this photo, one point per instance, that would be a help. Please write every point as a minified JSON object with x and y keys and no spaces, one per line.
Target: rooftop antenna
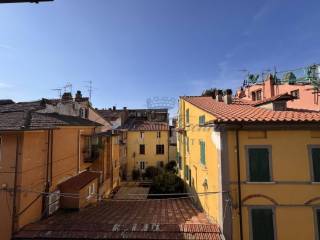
{"x":68,"y":86}
{"x":59,"y":90}
{"x":89,"y":88}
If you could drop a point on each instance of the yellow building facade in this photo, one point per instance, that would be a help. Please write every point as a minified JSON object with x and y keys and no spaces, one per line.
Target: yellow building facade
{"x":257,"y":178}
{"x":147,"y":147}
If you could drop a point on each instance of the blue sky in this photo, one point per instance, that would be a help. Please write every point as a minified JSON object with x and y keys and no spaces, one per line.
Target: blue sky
{"x":136,"y":49}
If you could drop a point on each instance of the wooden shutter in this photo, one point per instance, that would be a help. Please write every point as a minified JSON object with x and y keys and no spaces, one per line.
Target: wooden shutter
{"x":187,"y":116}
{"x":202,"y":152}
{"x":262,"y":224}
{"x":316,"y":164}
{"x":259,"y":168}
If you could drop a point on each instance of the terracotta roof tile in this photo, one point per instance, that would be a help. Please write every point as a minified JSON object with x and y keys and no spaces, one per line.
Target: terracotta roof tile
{"x":133,"y":124}
{"x":131,"y":219}
{"x":225,"y":113}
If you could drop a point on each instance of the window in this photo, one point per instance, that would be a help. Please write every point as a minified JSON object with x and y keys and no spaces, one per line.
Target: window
{"x":259,"y":164}
{"x":187,"y":143}
{"x":141,"y":135}
{"x":259,"y":95}
{"x":91,"y":190}
{"x":315,"y":162}
{"x":318,"y":223}
{"x":159,"y":149}
{"x":159,"y":134}
{"x":160,"y":164}
{"x":262,"y":227}
{"x":295,"y":93}
{"x":142,"y":165}
{"x":202,"y":152}
{"x":142,"y":149}
{"x":202,"y":120}
{"x":87,"y":147}
{"x":187,"y":116}
{"x":186,"y":172}
{"x":253,"y":95}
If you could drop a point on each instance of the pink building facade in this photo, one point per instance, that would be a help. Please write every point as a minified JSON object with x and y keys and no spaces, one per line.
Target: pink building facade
{"x":307,"y":97}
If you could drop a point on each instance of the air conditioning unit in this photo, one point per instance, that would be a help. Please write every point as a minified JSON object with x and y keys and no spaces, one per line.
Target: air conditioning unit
{"x":53,"y":202}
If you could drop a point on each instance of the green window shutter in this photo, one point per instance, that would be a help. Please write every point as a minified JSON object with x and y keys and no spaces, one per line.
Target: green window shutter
{"x":202,"y":120}
{"x":316,"y":164}
{"x":202,"y":152}
{"x":188,"y":149}
{"x":262,"y":224}
{"x":187,"y":115}
{"x":259,"y":168}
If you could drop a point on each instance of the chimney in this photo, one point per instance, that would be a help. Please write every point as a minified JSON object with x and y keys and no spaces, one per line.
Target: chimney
{"x":66,"y":97}
{"x":114,"y":108}
{"x":227,"y":98}
{"x":125,"y":108}
{"x":218,"y":95}
{"x":78,"y":97}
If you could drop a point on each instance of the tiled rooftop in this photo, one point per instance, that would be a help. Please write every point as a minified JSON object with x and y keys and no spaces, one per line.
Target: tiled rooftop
{"x":232,"y":113}
{"x":79,"y":181}
{"x":130,"y":219}
{"x":24,"y":116}
{"x":134,"y":124}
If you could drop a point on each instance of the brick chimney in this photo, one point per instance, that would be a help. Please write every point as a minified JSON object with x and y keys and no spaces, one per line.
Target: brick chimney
{"x":78,"y":97}
{"x":66,"y":97}
{"x":227,"y":98}
{"x":269,"y":87}
{"x":114,"y":108}
{"x":219,"y":95}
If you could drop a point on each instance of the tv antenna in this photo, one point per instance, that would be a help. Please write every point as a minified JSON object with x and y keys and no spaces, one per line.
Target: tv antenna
{"x":89,"y":88}
{"x":59,"y":90}
{"x":68,"y":86}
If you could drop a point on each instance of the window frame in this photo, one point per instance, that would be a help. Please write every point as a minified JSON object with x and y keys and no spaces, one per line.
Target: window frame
{"x":205,"y":161}
{"x":187,"y":116}
{"x":295,"y":93}
{"x":269,"y":207}
{"x":161,"y":152}
{"x":259,"y":95}
{"x":269,"y":147}
{"x":202,"y":117}
{"x":310,"y":147}
{"x":141,"y":134}
{"x":158,"y":134}
{"x":144,"y":149}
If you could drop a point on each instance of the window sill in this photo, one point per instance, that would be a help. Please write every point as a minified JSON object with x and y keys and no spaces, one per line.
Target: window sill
{"x":203,"y":167}
{"x":315,"y":183}
{"x":264,"y":183}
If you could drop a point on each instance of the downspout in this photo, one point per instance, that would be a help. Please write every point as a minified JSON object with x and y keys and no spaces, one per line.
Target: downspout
{"x":14,"y":207}
{"x":239,"y":185}
{"x":51,"y":157}
{"x":47,"y":187}
{"x":79,"y":154}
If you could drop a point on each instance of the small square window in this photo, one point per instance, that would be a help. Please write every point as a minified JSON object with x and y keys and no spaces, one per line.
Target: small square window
{"x":159,"y":149}
{"x":295,"y":93}
{"x":158,"y":134}
{"x":202,"y":120}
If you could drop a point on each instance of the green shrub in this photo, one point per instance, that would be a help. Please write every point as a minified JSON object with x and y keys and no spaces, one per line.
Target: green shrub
{"x":135,"y":174}
{"x":172,"y":167}
{"x":167,"y":182}
{"x":151,"y":172}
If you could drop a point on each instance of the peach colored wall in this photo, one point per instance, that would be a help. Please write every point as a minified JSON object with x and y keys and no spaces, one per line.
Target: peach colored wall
{"x":7,"y":170}
{"x":306,"y":100}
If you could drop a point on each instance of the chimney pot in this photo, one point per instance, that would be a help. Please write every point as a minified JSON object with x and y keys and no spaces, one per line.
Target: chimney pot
{"x":67,"y":96}
{"x":78,"y":96}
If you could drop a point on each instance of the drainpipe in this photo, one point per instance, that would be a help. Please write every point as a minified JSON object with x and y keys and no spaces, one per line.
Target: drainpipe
{"x":44,"y":199}
{"x":239,"y":185}
{"x":51,"y":157}
{"x":14,"y":207}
